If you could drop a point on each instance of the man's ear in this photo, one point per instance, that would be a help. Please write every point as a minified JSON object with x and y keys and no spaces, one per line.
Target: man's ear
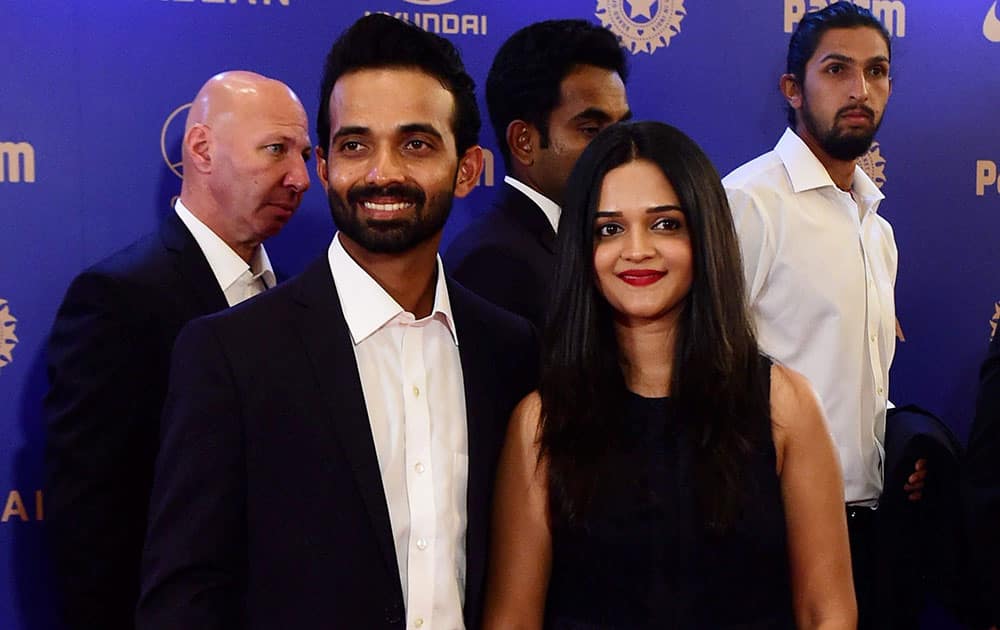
{"x":321,"y":167}
{"x":470,"y":166}
{"x":198,"y":145}
{"x":791,"y":89}
{"x":522,"y":140}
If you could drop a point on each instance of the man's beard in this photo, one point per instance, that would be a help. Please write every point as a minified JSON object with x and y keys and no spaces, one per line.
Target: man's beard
{"x":391,"y":236}
{"x":838,"y":144}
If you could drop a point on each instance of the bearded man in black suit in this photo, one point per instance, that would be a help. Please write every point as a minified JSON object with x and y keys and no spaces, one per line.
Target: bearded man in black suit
{"x":349,"y":484}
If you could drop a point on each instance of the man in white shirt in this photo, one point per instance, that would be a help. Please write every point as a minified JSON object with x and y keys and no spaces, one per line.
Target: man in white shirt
{"x":820,"y":263}
{"x":552,"y":87}
{"x":348,"y":484}
{"x":244,"y":151}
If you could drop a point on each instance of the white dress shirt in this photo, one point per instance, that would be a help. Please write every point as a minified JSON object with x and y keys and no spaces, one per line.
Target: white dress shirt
{"x":820,"y":267}
{"x":238,"y":280}
{"x":411,"y":376}
{"x":548,"y":207}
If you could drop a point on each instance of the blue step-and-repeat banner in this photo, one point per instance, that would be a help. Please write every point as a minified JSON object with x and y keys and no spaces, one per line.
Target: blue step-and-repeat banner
{"x":92,"y":102}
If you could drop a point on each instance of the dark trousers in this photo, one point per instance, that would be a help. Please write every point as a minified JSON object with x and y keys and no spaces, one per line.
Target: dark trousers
{"x":887,"y":577}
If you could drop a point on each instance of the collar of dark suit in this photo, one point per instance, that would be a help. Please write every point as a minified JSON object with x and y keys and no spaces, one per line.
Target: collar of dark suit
{"x":526,"y":213}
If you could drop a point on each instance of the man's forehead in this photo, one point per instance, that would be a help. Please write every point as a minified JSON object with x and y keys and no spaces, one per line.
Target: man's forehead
{"x":390,"y":99}
{"x":860,"y":43}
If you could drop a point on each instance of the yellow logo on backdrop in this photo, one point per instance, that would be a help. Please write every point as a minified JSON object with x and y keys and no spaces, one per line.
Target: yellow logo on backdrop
{"x":892,"y":13}
{"x":986,"y":176}
{"x":441,"y":23}
{"x":995,"y":320}
{"x":17,"y":162}
{"x":7,"y":337}
{"x":16,"y":509}
{"x":173,"y":126}
{"x":642,"y":27}
{"x":283,"y":3}
{"x":873,"y":164}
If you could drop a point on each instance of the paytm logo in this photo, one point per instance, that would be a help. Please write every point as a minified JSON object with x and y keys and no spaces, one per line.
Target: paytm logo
{"x":986,"y":177}
{"x":892,"y":13}
{"x":991,"y":25}
{"x":17,"y":162}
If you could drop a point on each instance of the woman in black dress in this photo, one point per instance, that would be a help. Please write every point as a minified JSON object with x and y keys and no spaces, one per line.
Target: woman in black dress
{"x":665,"y":474}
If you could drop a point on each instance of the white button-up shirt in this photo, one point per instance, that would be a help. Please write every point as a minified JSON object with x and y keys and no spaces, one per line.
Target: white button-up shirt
{"x":237,"y":279}
{"x":820,"y":267}
{"x":411,"y":376}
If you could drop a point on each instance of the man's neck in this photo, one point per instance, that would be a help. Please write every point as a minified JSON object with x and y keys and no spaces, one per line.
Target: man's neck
{"x":410,"y":277}
{"x":841,"y":171}
{"x":212,"y":221}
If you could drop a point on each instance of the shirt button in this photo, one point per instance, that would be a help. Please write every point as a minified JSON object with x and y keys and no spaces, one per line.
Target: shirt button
{"x":418,"y":622}
{"x":873,"y":338}
{"x":421,"y":544}
{"x":419,"y":467}
{"x":880,"y":390}
{"x":416,"y":392}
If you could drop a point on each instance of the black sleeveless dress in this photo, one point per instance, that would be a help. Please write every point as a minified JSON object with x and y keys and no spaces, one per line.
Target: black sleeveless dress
{"x":641,"y":560}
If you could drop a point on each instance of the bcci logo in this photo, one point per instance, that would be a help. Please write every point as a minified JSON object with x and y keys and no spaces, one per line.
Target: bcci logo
{"x":645,"y":26}
{"x":171,"y":137}
{"x":873,"y":164}
{"x":7,"y":337}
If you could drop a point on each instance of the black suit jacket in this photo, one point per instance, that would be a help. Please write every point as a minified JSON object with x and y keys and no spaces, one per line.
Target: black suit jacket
{"x":268,"y":509}
{"x":108,"y":358}
{"x":981,"y":484}
{"x":507,"y":256}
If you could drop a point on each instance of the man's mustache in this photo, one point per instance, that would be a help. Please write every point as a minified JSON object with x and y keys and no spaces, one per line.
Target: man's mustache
{"x":402,"y":192}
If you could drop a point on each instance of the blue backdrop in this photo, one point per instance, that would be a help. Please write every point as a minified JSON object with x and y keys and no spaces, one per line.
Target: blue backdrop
{"x":88,"y":153}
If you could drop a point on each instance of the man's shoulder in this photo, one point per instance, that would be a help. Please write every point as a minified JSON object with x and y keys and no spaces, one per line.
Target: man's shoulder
{"x":471,"y":310}
{"x":763,"y":172}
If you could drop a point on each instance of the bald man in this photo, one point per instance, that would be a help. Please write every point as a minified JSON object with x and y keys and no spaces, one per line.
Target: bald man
{"x":245,"y":147}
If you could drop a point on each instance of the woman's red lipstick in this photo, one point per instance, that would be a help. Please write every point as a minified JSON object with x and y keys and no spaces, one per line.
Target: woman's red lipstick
{"x":641,"y":277}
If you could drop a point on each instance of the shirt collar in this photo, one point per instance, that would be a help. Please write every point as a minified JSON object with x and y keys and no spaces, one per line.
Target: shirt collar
{"x":806,"y":172}
{"x":367,"y":306}
{"x":226,"y":264}
{"x":548,"y":207}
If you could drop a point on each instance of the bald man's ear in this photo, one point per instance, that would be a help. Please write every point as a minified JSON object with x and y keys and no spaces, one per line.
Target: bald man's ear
{"x":198,"y":146}
{"x":522,"y":140}
{"x":469,"y":168}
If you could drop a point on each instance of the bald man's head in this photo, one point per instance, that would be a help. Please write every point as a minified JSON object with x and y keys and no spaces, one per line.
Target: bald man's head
{"x":246,"y":142}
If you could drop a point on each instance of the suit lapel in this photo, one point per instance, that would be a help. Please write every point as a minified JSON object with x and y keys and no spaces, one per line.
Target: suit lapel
{"x":328,"y":345}
{"x":192,"y":265}
{"x":527,"y":213}
{"x":479,"y":400}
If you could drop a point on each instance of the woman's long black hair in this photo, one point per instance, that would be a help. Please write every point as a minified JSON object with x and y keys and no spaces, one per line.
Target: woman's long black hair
{"x":718,"y":387}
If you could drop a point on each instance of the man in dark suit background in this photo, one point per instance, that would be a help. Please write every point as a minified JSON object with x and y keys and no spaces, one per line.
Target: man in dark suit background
{"x":982,"y":485}
{"x":244,"y":150}
{"x":349,"y":484}
{"x":552,"y":87}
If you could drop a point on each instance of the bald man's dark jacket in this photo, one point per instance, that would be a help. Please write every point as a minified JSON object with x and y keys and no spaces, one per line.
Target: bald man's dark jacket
{"x":507,"y":256}
{"x":108,"y":357}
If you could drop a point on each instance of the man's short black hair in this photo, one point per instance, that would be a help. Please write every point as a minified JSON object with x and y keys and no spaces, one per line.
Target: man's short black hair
{"x":810,"y":30}
{"x":381,"y":41}
{"x":524,"y":80}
